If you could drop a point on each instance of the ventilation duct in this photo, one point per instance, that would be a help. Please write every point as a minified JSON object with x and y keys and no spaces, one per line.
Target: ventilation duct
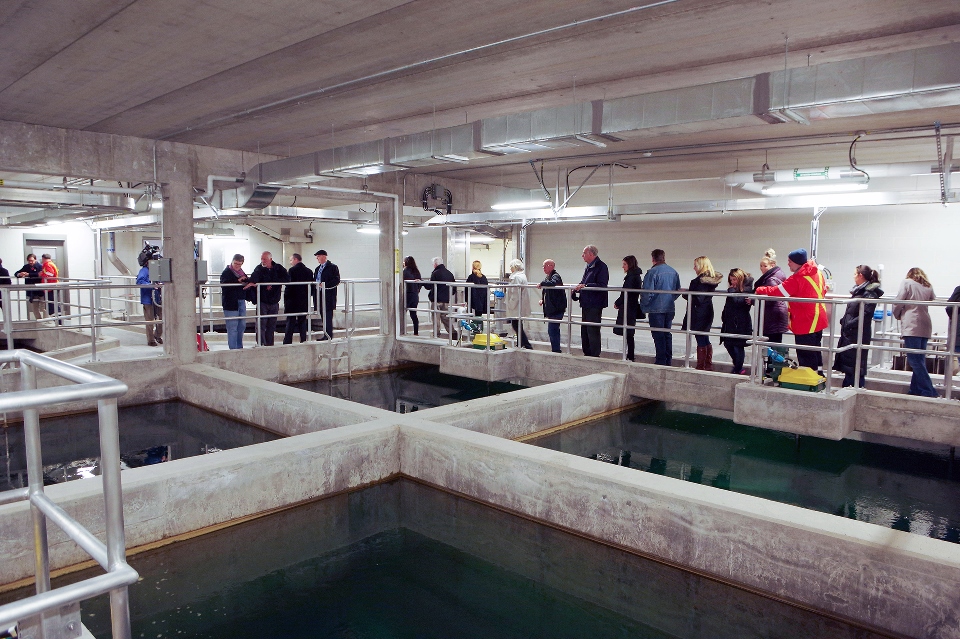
{"x":248,"y":196}
{"x":457,"y":145}
{"x":570,"y":126}
{"x":355,"y":160}
{"x":112,"y":255}
{"x":892,"y":82}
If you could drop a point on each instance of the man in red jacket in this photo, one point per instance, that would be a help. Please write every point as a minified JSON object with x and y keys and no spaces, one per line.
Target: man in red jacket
{"x":807,"y":319}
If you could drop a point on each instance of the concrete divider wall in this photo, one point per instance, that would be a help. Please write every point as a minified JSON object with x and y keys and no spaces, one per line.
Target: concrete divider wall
{"x":890,"y":579}
{"x":281,"y":409}
{"x":304,"y":362}
{"x":180,"y":496}
{"x":925,"y":419}
{"x":534,"y":409}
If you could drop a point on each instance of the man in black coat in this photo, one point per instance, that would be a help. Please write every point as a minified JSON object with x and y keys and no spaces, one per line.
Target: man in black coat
{"x":595,"y":275}
{"x":31,"y":272}
{"x":554,"y":302}
{"x":296,"y":299}
{"x":327,"y":274}
{"x":440,"y":294}
{"x":271,"y":276}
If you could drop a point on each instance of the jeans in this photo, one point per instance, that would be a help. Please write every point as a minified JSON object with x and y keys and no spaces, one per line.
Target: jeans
{"x":737,"y":355}
{"x":662,"y":341}
{"x":702,"y":340}
{"x":268,"y":325}
{"x":236,"y":327}
{"x":810,"y":359}
{"x":553,"y":330}
{"x":920,"y":383}
{"x":590,"y":335}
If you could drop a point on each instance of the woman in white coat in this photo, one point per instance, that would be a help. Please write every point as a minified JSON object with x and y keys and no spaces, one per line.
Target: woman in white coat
{"x":916,"y":327}
{"x":518,"y":301}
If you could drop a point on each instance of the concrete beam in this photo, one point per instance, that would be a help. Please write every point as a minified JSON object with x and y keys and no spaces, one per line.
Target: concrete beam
{"x":920,"y":418}
{"x":490,"y":366}
{"x":531,"y":410}
{"x":792,"y":411}
{"x":277,"y":408}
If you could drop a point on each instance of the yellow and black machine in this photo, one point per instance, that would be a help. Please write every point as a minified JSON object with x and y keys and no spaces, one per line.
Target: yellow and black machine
{"x":787,"y":374}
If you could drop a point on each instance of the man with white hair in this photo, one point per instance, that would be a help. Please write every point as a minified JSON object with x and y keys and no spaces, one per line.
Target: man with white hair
{"x":592,"y":302}
{"x":439,"y":294}
{"x":271,"y":276}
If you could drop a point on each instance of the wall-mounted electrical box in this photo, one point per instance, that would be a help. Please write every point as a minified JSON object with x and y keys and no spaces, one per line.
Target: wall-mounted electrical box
{"x":201,"y":271}
{"x":160,"y":270}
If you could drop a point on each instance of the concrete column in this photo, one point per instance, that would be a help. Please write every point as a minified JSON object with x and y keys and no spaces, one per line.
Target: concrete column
{"x":391,"y":265}
{"x":179,"y":300}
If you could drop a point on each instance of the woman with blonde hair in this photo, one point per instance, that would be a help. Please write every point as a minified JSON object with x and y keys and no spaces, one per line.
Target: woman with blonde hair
{"x":700,"y":309}
{"x":775,"y":314}
{"x":518,"y":301}
{"x":916,"y":328}
{"x":477,"y":295}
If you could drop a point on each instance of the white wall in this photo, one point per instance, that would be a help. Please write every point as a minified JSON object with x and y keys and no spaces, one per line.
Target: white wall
{"x":898,"y":237}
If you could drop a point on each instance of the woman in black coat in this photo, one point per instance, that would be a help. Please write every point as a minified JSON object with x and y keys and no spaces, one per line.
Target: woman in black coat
{"x":736,"y":319}
{"x":412,"y":290}
{"x":478,"y":296}
{"x":775,"y":314}
{"x":631,"y":310}
{"x":700,"y":309}
{"x":866,"y":286}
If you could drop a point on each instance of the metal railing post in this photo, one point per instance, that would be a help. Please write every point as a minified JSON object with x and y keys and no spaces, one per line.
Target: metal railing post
{"x":858,"y":354}
{"x":828,"y":364}
{"x":686,"y":357}
{"x":31,"y":432}
{"x":113,"y":509}
{"x":569,"y":321}
{"x":951,"y":352}
{"x":7,"y":320}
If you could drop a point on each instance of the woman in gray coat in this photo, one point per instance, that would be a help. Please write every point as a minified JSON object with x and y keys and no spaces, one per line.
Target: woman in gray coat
{"x":916,"y":328}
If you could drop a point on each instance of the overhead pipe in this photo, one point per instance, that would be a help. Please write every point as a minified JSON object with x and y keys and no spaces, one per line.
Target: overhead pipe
{"x":81,"y":188}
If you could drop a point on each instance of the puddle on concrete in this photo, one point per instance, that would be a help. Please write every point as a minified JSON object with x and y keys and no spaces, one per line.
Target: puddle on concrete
{"x":401,"y":560}
{"x":915,"y":490}
{"x":411,"y":389}
{"x":149,"y":434}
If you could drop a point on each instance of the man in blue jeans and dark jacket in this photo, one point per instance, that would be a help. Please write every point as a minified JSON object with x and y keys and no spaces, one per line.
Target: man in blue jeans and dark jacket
{"x":659,"y":307}
{"x":592,"y":303}
{"x":554,"y":302}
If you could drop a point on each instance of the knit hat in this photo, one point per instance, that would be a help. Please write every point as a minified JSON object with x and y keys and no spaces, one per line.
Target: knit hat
{"x":798,"y":257}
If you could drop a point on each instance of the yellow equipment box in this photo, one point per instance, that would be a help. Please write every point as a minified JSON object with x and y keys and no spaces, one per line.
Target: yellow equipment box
{"x":496,"y":343}
{"x":802,"y":378}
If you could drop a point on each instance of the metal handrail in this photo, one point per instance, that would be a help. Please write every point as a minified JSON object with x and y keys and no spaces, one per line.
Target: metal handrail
{"x":110,"y":555}
{"x":755,"y":341}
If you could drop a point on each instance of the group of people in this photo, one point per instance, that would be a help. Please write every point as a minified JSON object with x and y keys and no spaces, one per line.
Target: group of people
{"x":267,"y":285}
{"x":652,"y":297}
{"x":33,"y":272}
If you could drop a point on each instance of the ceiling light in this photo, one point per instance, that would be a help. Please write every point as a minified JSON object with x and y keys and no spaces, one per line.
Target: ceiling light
{"x":156,"y":204}
{"x":806,"y":189}
{"x":371,"y":230}
{"x":520,"y":206}
{"x":404,"y":232}
{"x":53,"y":222}
{"x":451,"y":157}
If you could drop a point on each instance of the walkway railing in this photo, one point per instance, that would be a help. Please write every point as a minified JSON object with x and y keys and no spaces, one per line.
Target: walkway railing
{"x":42,"y":615}
{"x":885,"y":341}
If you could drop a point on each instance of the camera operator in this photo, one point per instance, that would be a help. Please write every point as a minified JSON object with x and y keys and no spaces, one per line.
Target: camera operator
{"x":150,"y":296}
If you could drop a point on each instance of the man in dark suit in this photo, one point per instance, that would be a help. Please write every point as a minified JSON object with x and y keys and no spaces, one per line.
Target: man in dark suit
{"x":440,"y":295}
{"x":296,"y":299}
{"x":270,"y":277}
{"x":328,"y":276}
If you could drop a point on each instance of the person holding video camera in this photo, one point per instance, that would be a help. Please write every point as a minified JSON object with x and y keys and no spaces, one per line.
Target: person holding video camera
{"x":150,"y":296}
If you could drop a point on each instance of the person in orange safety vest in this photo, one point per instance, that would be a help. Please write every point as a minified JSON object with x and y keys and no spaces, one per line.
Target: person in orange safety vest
{"x":49,"y":274}
{"x":807,"y":319}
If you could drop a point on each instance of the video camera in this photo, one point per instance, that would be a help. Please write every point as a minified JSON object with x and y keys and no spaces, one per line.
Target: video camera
{"x":149,"y":252}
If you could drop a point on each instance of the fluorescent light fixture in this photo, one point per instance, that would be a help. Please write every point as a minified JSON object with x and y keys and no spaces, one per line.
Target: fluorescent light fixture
{"x":372,"y":230}
{"x":404,"y":232}
{"x":54,"y":222}
{"x":451,"y":157}
{"x":520,"y":206}
{"x":156,"y":204}
{"x":808,"y":189}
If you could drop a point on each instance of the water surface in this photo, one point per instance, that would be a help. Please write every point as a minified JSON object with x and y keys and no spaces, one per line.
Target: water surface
{"x":149,"y":434}
{"x":411,"y":388}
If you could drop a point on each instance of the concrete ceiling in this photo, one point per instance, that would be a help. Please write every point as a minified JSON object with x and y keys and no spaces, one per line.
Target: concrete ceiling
{"x":289,"y":77}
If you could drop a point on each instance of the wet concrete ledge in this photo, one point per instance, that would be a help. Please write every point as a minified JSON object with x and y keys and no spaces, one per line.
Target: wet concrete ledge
{"x":273,"y":406}
{"x":534,"y":409}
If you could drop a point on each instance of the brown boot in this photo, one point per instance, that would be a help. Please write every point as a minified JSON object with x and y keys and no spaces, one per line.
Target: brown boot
{"x":701,"y":357}
{"x":708,"y":358}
